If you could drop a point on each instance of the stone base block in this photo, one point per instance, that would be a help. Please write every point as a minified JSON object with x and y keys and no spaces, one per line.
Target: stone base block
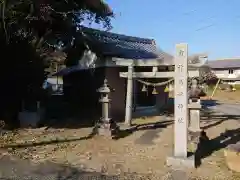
{"x":105,"y":132}
{"x":108,"y":130}
{"x":194,"y":130}
{"x":194,"y":135}
{"x":179,"y":162}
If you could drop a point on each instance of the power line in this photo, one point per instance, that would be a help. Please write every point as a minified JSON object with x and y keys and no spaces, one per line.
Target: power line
{"x":191,"y":34}
{"x":204,"y":19}
{"x":214,"y":24}
{"x":204,"y":27}
{"x":181,"y":14}
{"x":191,"y":12}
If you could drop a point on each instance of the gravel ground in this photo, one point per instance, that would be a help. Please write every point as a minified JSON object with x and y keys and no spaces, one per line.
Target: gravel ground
{"x":132,"y":157}
{"x":24,"y":169}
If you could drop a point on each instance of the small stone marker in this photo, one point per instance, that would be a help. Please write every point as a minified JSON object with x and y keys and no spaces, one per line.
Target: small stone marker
{"x":180,"y":158}
{"x":194,"y":116}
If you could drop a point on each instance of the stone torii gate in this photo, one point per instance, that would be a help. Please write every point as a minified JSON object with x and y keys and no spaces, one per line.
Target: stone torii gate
{"x":181,"y":104}
{"x":154,"y":63}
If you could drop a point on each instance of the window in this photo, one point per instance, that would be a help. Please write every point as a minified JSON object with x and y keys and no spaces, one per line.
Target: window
{"x":230,"y":71}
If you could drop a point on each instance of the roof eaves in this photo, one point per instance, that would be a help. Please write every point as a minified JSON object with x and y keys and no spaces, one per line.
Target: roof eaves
{"x":120,"y":45}
{"x":107,"y":34}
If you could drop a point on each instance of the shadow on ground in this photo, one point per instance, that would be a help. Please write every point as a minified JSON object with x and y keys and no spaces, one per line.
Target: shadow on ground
{"x":24,"y":169}
{"x":43,"y":143}
{"x":60,"y":114}
{"x":128,"y":131}
{"x":67,"y":117}
{"x":207,"y":115}
{"x":207,"y":147}
{"x":213,"y":118}
{"x":122,"y":133}
{"x":64,"y":115}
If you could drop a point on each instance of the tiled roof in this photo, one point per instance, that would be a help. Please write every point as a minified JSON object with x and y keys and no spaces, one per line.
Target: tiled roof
{"x":224,"y":64}
{"x":118,"y":46}
{"x":122,"y":46}
{"x":167,"y":58}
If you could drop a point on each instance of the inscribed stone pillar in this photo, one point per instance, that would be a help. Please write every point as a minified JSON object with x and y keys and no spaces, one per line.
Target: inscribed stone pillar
{"x":180,"y":158}
{"x":181,"y":101}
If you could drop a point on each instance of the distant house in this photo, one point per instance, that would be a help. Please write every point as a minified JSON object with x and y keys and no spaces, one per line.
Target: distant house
{"x":226,"y":69}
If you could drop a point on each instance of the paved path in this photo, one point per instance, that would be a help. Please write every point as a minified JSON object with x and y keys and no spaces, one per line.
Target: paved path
{"x":227,"y":109}
{"x":148,"y":137}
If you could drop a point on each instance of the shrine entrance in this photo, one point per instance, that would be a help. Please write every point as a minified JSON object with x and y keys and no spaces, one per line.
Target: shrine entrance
{"x":146,"y":98}
{"x":143,"y":97}
{"x":183,"y":106}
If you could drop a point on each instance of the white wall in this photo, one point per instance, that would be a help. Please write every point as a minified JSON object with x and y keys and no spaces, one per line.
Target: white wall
{"x":193,"y":73}
{"x":236,"y":82}
{"x":225,"y":73}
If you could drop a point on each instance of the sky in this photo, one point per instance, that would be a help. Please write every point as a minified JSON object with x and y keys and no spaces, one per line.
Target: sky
{"x":208,"y":26}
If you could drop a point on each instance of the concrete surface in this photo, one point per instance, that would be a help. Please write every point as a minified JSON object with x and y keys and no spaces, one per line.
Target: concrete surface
{"x":227,"y":109}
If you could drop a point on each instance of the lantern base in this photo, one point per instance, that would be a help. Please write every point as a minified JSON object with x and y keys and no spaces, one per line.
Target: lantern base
{"x":108,"y":128}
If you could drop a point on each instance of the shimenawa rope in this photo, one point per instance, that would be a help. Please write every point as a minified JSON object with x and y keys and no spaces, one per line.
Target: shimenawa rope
{"x":155,"y":84}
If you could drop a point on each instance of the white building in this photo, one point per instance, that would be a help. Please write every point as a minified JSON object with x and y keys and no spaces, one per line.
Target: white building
{"x":226,"y":69}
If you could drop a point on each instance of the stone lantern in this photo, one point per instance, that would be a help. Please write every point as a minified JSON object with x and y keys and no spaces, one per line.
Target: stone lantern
{"x":107,"y":127}
{"x":194,"y":107}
